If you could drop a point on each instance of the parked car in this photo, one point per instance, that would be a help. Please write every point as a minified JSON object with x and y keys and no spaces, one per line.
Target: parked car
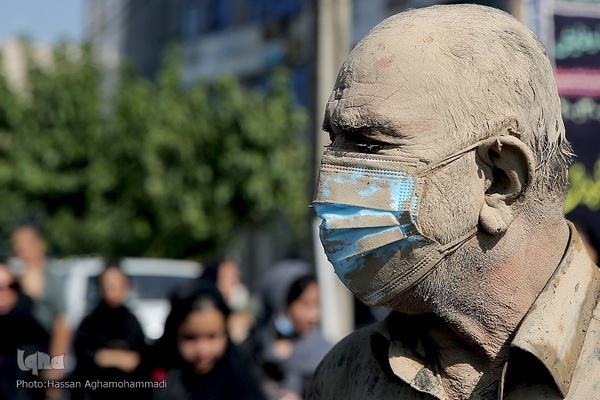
{"x":152,"y":280}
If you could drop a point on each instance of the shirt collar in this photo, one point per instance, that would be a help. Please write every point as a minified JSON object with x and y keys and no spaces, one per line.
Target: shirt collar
{"x":553,"y":330}
{"x":406,"y":353}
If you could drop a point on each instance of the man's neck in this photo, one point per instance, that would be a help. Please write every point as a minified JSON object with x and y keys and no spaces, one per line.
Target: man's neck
{"x":488,"y":304}
{"x":463,"y":371}
{"x":479,"y":322}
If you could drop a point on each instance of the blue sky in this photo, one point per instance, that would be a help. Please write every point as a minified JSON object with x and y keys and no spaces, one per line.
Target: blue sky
{"x":45,"y":21}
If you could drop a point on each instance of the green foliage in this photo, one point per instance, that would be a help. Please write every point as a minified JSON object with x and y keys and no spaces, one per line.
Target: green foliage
{"x":161,"y":170}
{"x":584,"y":189}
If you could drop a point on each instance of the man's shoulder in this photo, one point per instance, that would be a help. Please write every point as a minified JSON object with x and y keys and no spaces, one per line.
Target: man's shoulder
{"x":353,"y":346}
{"x":349,"y":362}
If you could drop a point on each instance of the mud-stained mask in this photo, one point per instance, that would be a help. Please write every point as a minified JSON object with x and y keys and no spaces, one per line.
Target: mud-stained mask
{"x":369,"y":205}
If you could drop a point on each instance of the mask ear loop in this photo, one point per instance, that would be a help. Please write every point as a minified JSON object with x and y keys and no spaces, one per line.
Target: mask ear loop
{"x":426,"y":169}
{"x":457,"y":243}
{"x":451,"y":158}
{"x":447,"y":249}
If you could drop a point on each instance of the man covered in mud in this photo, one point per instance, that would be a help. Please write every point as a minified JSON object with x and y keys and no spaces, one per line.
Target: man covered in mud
{"x":442,"y":197}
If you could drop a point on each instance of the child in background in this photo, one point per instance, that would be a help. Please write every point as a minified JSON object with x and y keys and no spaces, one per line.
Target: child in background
{"x":196,"y":351}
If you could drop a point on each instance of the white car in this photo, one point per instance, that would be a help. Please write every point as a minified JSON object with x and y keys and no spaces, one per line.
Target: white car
{"x":152,"y":281}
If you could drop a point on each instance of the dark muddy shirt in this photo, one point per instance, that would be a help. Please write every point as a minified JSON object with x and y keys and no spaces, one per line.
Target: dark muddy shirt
{"x":555,"y":353}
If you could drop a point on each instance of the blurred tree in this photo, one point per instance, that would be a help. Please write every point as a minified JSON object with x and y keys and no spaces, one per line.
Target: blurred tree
{"x":167,"y":171}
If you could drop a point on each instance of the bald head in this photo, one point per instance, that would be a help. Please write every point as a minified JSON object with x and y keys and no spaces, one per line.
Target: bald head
{"x":457,"y":73}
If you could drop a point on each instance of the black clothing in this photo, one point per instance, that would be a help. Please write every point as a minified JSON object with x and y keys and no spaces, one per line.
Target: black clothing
{"x":113,"y":328}
{"x":19,"y":330}
{"x":230,"y":379}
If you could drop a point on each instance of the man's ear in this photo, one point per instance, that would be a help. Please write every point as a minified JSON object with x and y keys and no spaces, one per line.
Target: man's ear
{"x":511,"y":170}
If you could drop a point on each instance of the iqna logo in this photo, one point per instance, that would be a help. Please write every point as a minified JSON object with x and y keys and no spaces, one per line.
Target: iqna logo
{"x":39,"y":360}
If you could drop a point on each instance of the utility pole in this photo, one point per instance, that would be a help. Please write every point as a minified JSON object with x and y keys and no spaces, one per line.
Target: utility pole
{"x":333,"y":45}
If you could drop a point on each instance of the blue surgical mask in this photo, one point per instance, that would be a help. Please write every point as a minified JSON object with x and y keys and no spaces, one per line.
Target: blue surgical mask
{"x":370,"y":230}
{"x":284,"y":326}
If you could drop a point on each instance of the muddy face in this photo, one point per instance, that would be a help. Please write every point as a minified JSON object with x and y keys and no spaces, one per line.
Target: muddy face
{"x":449,"y":80}
{"x":395,"y":94}
{"x":382,"y":96}
{"x":424,"y":84}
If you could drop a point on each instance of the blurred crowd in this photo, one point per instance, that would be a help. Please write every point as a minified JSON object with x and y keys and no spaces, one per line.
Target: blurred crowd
{"x":220,"y":341}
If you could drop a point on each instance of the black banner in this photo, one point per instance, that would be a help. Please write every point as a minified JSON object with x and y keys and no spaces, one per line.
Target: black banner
{"x":577,"y":42}
{"x":577,"y":64}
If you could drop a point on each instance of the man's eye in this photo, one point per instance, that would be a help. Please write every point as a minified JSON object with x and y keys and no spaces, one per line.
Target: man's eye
{"x":369,"y":147}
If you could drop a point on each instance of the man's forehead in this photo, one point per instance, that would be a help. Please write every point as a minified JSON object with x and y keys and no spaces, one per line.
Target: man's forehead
{"x":383,"y":87}
{"x":394,"y":109}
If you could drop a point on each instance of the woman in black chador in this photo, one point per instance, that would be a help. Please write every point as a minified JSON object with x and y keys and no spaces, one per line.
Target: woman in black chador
{"x":110,"y":343}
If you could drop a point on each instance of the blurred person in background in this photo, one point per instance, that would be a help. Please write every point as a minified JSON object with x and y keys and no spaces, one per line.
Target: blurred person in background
{"x":225,"y":273}
{"x":288,"y":345}
{"x":110,"y":341}
{"x":43,"y":284}
{"x":196,"y":354}
{"x":19,"y":331}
